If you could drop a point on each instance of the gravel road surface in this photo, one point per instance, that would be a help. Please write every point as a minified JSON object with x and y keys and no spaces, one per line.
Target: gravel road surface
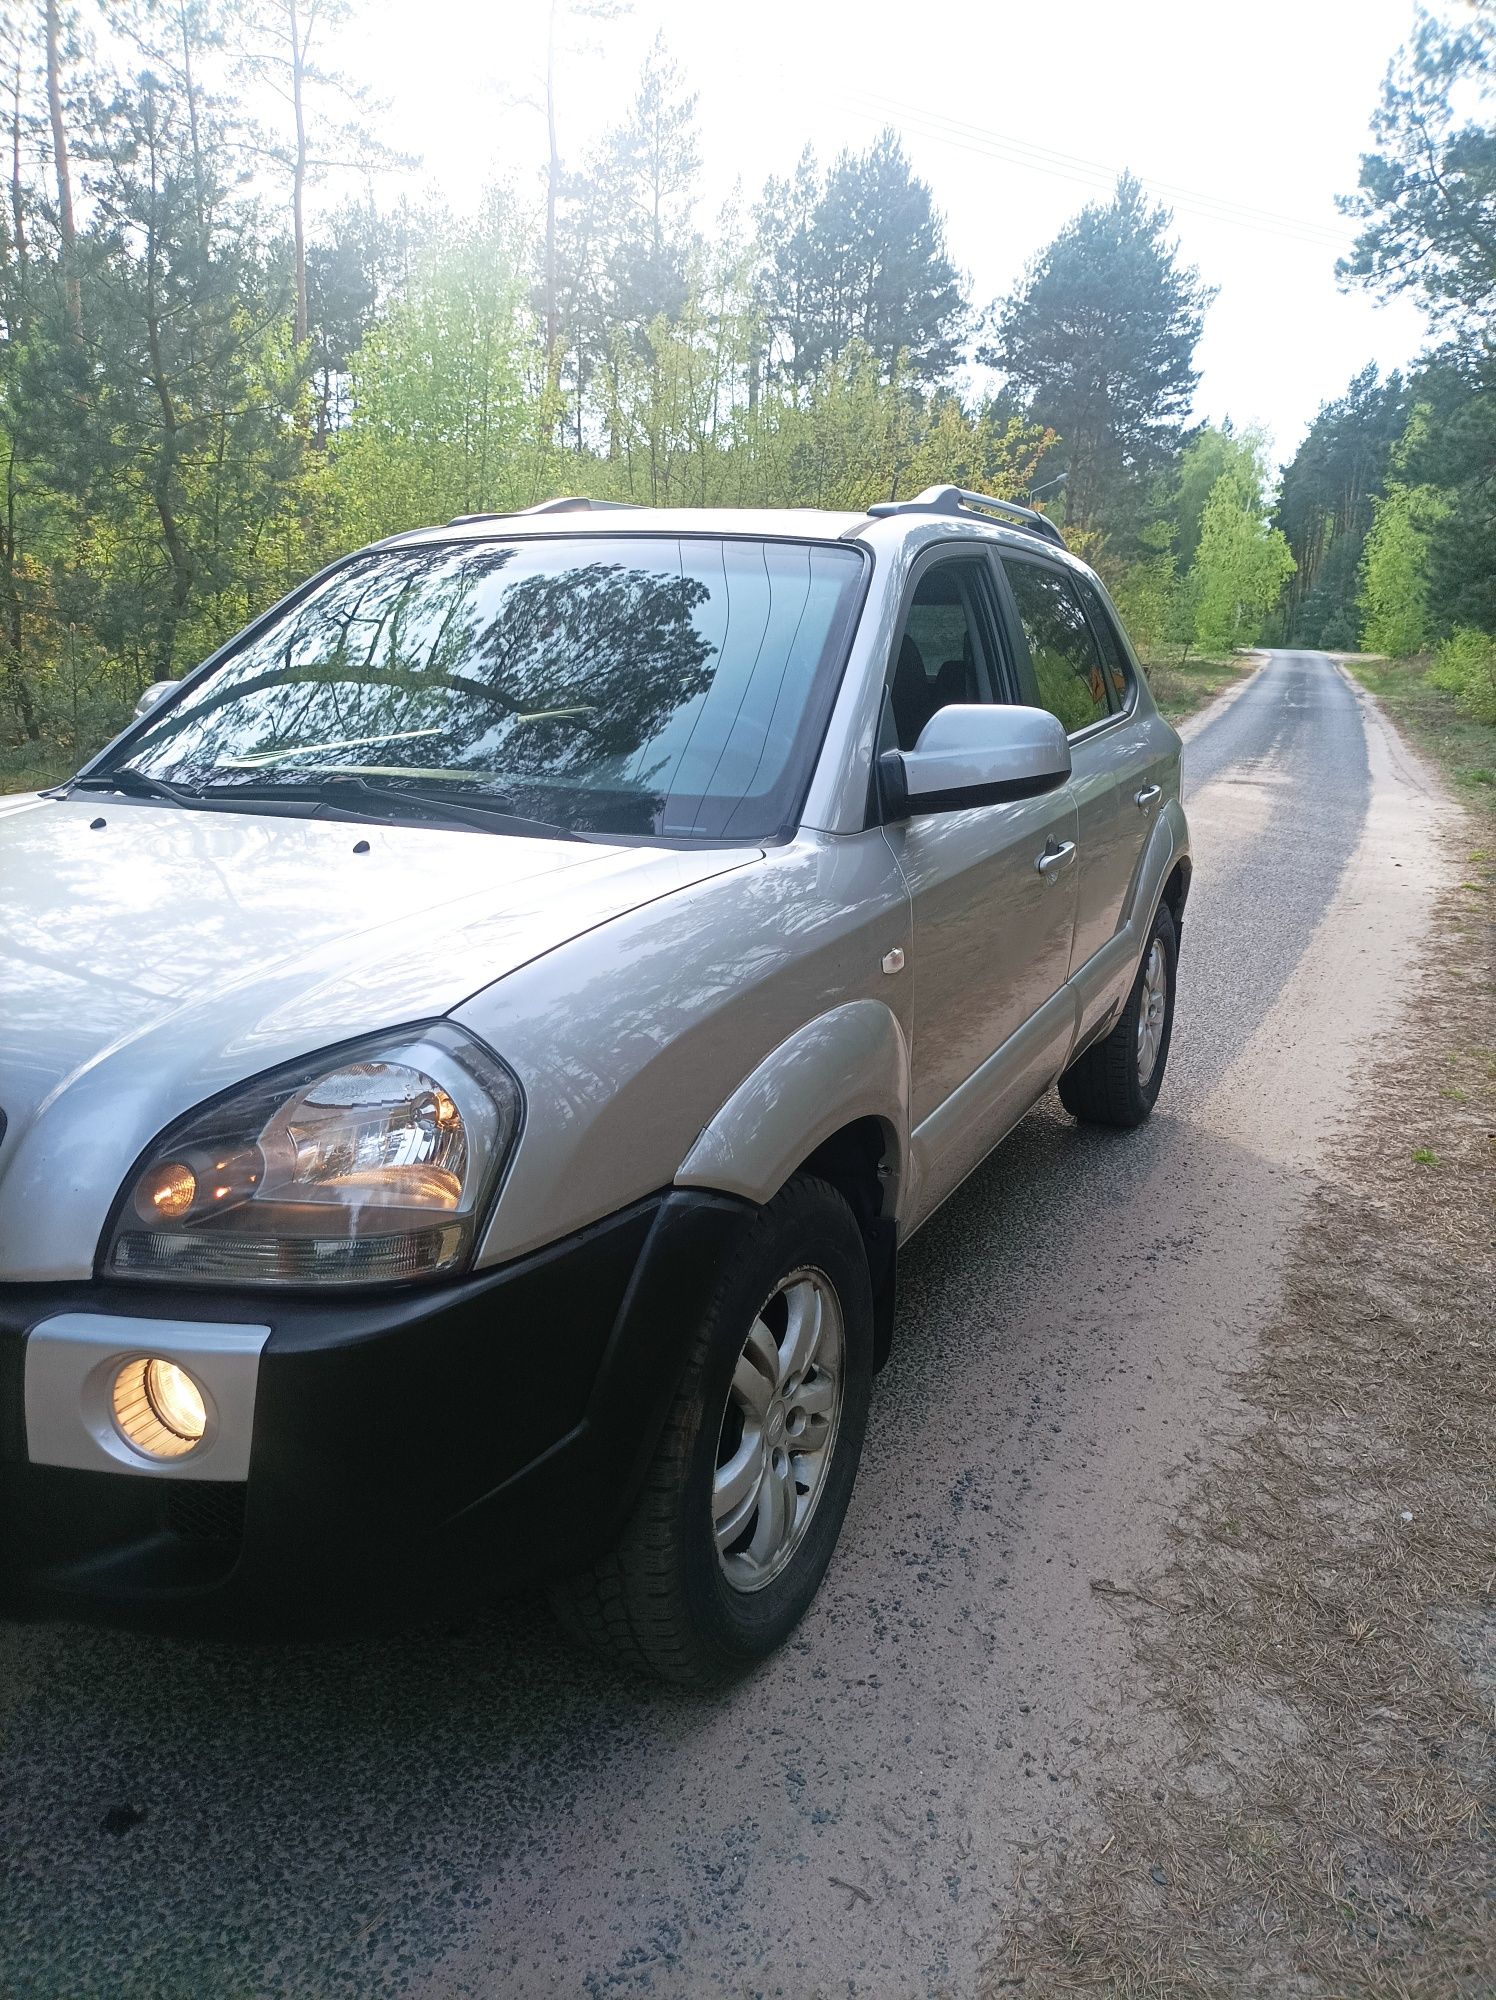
{"x":472,"y":1810}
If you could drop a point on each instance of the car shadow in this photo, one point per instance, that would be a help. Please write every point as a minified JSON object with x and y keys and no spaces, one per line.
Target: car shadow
{"x":178,"y":1814}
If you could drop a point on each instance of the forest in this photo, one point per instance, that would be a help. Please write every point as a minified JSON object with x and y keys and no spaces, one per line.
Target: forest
{"x":214,"y":377}
{"x":1389,"y":504}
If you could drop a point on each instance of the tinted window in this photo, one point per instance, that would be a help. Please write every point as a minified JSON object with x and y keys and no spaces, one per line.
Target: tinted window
{"x":1108,"y":638}
{"x":942,"y":657}
{"x":1067,"y":665}
{"x":626,"y":685}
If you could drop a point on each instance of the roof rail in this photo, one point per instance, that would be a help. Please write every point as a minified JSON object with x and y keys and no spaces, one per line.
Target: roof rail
{"x":573,"y":504}
{"x":956,"y":500}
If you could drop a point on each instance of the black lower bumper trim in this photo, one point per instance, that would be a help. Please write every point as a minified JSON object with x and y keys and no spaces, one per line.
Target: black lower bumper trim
{"x":479,"y":1436}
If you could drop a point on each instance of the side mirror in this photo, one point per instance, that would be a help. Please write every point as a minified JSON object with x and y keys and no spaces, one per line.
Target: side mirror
{"x":156,"y":692}
{"x":975,"y":755}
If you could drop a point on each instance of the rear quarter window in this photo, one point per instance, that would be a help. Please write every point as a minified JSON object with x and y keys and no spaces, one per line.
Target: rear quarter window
{"x":1109,"y":639}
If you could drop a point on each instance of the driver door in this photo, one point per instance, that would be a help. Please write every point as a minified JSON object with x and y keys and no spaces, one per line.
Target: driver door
{"x":992,"y":932}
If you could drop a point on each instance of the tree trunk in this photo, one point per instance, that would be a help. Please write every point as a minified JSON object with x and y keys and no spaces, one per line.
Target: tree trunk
{"x":298,"y":173}
{"x":15,"y":672}
{"x":552,"y":186}
{"x":198,"y":204}
{"x":162,"y":484}
{"x":10,"y":593}
{"x":65,"y":223}
{"x":17,"y":187}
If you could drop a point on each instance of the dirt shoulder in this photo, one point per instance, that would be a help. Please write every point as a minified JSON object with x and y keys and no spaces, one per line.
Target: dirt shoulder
{"x":1463,"y":747}
{"x":1182,"y":687}
{"x":1321,"y":1642}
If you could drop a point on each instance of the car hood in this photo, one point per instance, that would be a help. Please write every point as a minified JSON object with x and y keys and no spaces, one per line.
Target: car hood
{"x":151,"y":955}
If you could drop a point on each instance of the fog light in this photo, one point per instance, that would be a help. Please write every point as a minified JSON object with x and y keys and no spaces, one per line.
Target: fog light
{"x":159,"y":1408}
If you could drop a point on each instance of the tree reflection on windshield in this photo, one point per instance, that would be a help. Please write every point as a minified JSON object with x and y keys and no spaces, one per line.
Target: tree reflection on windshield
{"x":628,"y":685}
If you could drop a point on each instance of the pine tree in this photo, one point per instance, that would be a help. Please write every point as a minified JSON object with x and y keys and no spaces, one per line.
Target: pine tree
{"x":1101,"y":342}
{"x":866,"y":262}
{"x":650,"y":166}
{"x":1427,"y":193}
{"x":326,"y":122}
{"x":182,"y":449}
{"x":790,"y":282}
{"x":1328,"y":491}
{"x":625,"y":239}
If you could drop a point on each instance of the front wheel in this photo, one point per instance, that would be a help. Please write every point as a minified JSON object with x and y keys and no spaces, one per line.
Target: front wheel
{"x":749,"y":1484}
{"x":1117,"y":1081}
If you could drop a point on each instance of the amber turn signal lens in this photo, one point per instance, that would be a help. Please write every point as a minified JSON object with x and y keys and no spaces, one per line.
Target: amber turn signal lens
{"x":166,"y":1192}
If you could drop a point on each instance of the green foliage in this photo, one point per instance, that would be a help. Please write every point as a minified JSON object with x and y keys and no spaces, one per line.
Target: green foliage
{"x":1241,"y":563}
{"x":1145,"y":593}
{"x":1462,"y":746}
{"x":442,"y":415}
{"x":1455,"y":452}
{"x":1395,"y":561}
{"x":1210,"y":456}
{"x":1465,"y":666}
{"x":1426,"y":201}
{"x":1427,"y":192}
{"x":1325,"y":506}
{"x":204,"y":396}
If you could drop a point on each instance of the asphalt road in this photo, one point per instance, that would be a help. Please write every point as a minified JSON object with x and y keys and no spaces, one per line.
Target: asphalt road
{"x":471,"y":1809}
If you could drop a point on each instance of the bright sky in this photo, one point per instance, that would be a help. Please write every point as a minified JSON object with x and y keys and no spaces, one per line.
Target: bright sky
{"x":1247,"y":118}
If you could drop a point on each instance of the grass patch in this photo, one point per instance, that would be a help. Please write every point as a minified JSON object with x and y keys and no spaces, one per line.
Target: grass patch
{"x":33,"y":765}
{"x":1463,"y":749}
{"x":1181,"y":688}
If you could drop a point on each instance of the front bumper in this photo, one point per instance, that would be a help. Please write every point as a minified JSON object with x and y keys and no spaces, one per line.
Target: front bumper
{"x":405,"y":1446}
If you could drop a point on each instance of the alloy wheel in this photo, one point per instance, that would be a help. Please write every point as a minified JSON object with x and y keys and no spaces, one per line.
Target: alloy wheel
{"x":778,"y":1430}
{"x":1152,"y":1008}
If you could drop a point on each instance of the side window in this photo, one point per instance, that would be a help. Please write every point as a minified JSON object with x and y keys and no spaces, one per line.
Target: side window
{"x":945,"y":655}
{"x":1113,"y":653}
{"x":1066,"y":662}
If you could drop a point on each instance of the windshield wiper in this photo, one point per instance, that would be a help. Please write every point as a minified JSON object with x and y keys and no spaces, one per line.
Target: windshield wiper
{"x":135,"y":784}
{"x":393,"y":798}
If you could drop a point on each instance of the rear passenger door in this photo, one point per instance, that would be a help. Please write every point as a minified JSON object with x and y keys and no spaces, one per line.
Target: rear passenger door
{"x":1068,"y":671}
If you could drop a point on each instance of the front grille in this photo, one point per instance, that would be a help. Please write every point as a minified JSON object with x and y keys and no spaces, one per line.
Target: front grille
{"x":204,"y":1510}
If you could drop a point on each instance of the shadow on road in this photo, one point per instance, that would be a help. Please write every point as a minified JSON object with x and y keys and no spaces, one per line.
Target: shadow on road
{"x":340,"y":1811}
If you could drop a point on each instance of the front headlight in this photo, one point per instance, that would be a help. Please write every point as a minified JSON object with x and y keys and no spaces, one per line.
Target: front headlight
{"x":370,"y":1166}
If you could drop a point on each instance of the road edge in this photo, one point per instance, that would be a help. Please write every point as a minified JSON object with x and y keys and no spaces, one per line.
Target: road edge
{"x":1191,"y":725}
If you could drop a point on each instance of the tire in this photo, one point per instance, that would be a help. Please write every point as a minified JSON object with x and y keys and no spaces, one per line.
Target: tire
{"x":666,"y":1601}
{"x":1107,"y":1085}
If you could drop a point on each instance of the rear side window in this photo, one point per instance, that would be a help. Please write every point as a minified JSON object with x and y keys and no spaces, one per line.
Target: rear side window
{"x":1113,"y":653}
{"x":1067,"y":664}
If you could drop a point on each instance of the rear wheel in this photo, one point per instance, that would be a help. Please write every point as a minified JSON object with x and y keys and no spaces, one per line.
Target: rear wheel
{"x":1117,"y":1081}
{"x":749,"y":1484}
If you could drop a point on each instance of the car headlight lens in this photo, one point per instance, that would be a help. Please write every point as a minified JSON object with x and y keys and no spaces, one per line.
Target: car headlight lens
{"x":372,"y":1166}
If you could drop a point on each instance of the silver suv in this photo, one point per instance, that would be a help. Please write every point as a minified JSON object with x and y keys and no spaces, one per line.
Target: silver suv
{"x":472,"y":1052}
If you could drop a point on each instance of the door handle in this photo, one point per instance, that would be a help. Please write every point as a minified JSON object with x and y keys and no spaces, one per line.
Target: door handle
{"x":1059,"y":854}
{"x":1148,"y":796}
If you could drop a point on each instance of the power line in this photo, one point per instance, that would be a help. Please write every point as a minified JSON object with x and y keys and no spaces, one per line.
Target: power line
{"x":1086,"y":173}
{"x":1073,"y":167}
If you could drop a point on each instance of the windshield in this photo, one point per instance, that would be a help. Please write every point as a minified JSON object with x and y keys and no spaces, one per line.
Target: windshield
{"x":628,"y":685}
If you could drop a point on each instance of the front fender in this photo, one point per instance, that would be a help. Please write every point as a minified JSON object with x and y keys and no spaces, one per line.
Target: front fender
{"x":849,"y":1063}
